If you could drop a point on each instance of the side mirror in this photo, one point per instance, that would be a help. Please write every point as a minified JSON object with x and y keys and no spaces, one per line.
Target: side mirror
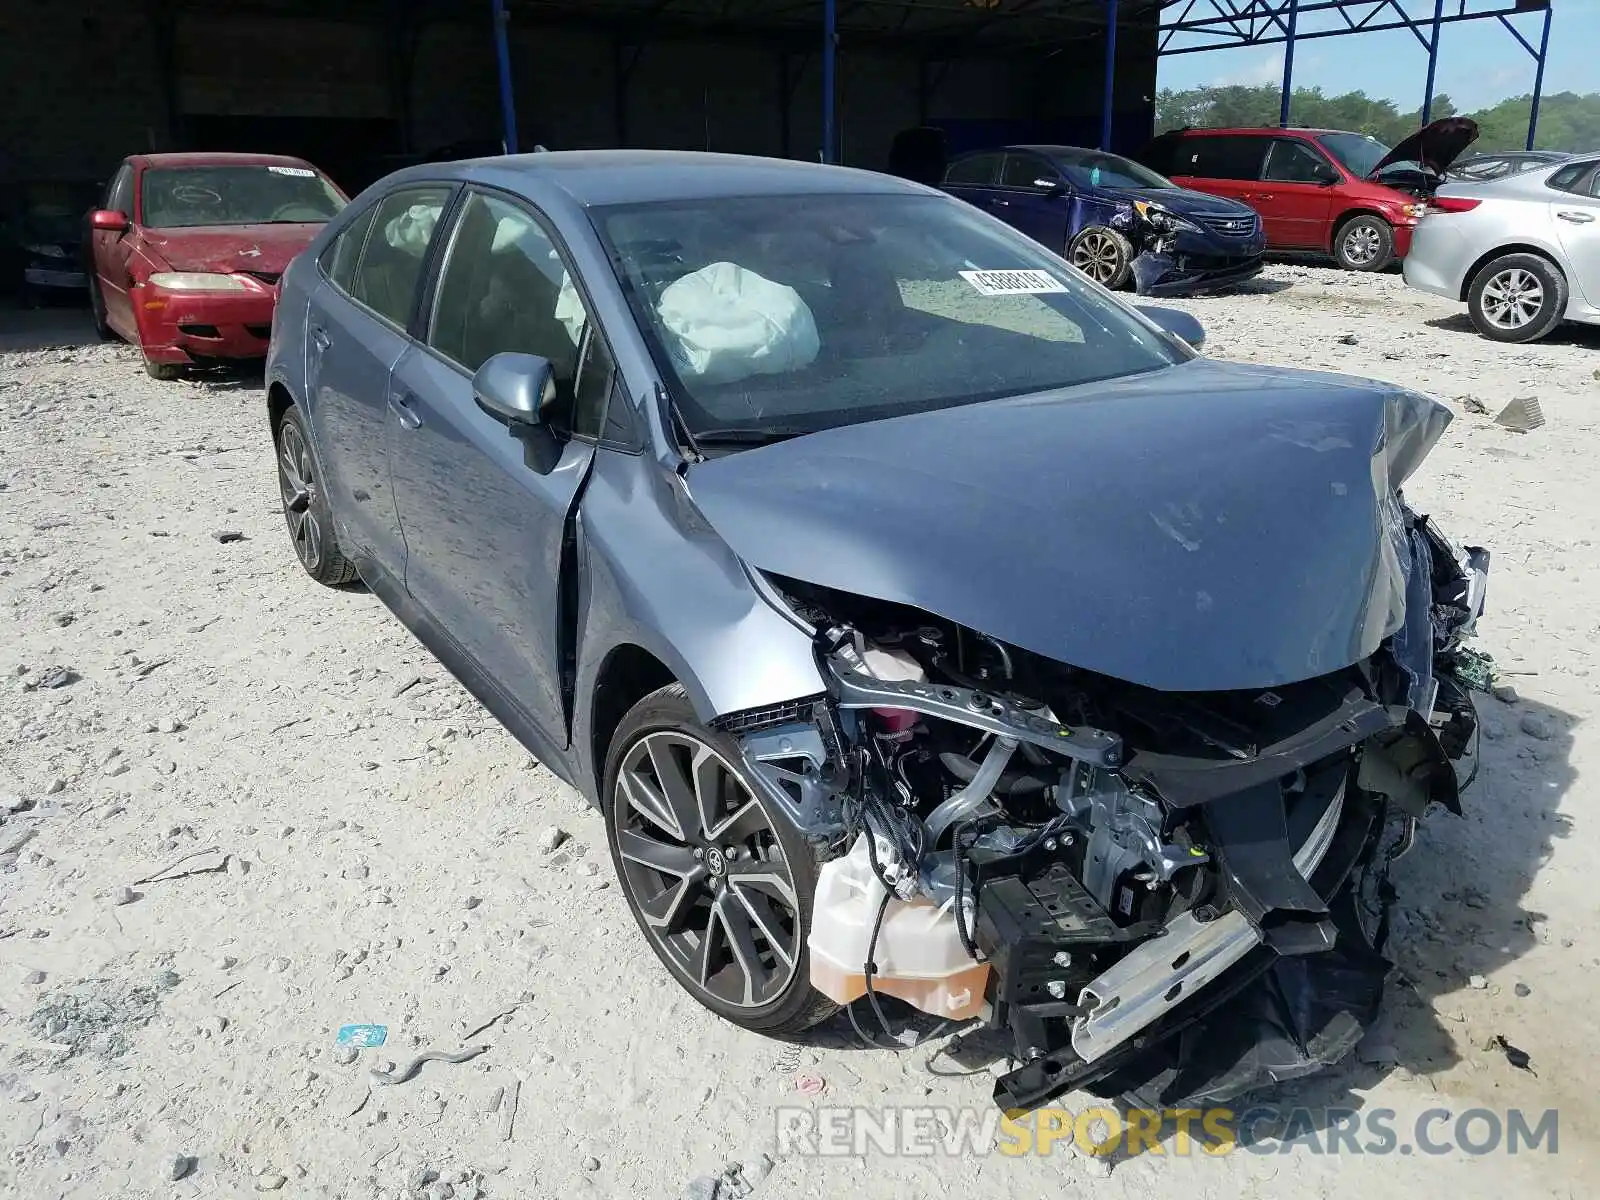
{"x":109,"y":220}
{"x":1053,"y":188}
{"x":519,"y":389}
{"x":1185,"y":327}
{"x":1326,"y":175}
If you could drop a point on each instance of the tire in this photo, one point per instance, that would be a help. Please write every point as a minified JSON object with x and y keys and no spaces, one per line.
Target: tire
{"x":1364,"y":243}
{"x":97,"y":311}
{"x":1517,"y":298}
{"x":678,"y":884}
{"x":305,"y":505}
{"x":1104,"y":255}
{"x":166,"y":372}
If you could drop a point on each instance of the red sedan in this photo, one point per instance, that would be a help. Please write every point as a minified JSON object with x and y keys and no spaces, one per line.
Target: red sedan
{"x":187,"y":249}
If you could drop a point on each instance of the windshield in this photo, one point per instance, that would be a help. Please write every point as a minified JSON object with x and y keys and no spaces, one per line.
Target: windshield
{"x":181,"y":197}
{"x":1088,"y":168}
{"x":788,"y":314}
{"x":1356,"y":152}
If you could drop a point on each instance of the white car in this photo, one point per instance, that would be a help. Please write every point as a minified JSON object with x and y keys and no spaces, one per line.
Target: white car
{"x":1522,"y":252}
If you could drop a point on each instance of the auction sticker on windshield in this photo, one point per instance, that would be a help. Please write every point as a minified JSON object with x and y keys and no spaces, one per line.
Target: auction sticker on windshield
{"x":1013,"y":283}
{"x":297,"y":172}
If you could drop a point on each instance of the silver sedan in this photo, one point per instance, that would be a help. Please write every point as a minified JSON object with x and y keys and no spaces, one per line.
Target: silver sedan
{"x":1523,"y":252}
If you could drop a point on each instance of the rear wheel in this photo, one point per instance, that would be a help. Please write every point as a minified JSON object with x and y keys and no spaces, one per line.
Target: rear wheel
{"x":1364,"y":243}
{"x":720,"y":883}
{"x":305,"y":505}
{"x":1104,"y":255}
{"x":1517,"y":298}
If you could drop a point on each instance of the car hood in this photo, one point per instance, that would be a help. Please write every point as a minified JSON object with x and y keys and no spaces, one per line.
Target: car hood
{"x":1435,"y":146}
{"x":1205,"y":527}
{"x":226,"y":248}
{"x":1184,"y":202}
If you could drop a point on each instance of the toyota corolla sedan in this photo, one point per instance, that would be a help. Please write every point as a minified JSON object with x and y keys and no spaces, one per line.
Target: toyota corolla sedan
{"x":929,"y":626}
{"x":1523,"y":253}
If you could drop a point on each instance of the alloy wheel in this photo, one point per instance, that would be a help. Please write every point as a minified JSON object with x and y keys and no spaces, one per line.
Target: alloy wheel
{"x":705,"y":870}
{"x":1097,"y":256}
{"x":298,"y":482}
{"x":1512,"y":298}
{"x":1361,"y":245}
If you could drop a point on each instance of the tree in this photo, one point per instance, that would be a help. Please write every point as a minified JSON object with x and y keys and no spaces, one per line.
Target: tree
{"x":1567,"y":121}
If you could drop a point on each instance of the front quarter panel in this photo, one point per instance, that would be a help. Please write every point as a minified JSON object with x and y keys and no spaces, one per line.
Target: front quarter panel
{"x":286,"y":359}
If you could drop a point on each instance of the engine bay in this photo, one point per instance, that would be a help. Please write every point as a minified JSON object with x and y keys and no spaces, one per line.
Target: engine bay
{"x":1093,"y":865}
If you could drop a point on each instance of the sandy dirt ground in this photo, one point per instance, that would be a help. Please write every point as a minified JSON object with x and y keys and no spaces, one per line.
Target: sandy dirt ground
{"x":370,"y":847}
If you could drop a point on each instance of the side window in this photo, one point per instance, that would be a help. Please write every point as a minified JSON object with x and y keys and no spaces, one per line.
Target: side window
{"x":1569,"y":178}
{"x":504,"y":287}
{"x":119,"y":196}
{"x":1293,"y":162}
{"x":402,"y":228}
{"x":1026,"y":171}
{"x":593,"y":390}
{"x":977,"y":171}
{"x":340,"y":256}
{"x":1221,"y":157}
{"x":1161,"y":154}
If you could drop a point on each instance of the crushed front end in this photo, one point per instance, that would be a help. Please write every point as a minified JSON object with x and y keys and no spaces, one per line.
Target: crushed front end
{"x":1132,"y":866}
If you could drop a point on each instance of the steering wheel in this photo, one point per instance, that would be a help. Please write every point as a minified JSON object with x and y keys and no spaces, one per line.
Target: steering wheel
{"x":298,"y":210}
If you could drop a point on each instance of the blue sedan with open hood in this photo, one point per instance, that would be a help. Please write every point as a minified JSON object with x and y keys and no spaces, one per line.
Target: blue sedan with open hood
{"x":924,"y":620}
{"x":1113,"y":219}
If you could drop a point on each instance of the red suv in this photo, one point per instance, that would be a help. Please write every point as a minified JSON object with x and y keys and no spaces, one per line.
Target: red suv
{"x":1344,"y":194}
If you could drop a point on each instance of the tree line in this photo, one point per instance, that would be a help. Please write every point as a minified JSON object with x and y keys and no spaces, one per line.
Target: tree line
{"x":1567,"y":120}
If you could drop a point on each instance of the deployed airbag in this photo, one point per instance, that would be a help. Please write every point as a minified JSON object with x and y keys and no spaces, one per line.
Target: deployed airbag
{"x":725,"y":323}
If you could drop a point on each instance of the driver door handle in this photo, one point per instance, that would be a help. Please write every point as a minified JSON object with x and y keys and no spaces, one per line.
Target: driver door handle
{"x":1577,"y":218}
{"x":400,"y":402}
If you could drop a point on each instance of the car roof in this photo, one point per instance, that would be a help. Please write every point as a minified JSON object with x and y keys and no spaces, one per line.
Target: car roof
{"x":216,"y":158}
{"x":604,"y":177}
{"x":1254,"y":131}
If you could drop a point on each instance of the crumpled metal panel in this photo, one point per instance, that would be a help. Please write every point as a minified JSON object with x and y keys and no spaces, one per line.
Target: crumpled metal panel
{"x":1208,"y":526}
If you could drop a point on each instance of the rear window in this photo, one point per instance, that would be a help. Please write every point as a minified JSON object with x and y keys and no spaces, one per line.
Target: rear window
{"x":187,"y":197}
{"x":1225,"y":156}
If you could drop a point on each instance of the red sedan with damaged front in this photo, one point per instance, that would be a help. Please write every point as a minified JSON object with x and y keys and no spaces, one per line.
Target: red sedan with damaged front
{"x":186,"y":251}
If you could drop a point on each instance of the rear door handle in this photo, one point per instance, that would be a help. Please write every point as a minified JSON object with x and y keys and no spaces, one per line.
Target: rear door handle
{"x":400,"y":402}
{"x":319,"y":337}
{"x":1577,"y":218}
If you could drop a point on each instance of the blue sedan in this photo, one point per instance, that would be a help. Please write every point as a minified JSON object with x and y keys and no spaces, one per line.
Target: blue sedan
{"x":1103,"y":212}
{"x":847,"y":549}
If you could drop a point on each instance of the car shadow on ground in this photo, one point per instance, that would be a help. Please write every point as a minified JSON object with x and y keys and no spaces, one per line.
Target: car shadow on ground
{"x":1259,"y":286}
{"x":1457,"y":924}
{"x":52,"y":327}
{"x":1569,"y":333}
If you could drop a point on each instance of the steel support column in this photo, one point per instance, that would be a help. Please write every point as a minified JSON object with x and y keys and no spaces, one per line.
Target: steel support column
{"x":1109,"y":99}
{"x":1433,"y":61}
{"x":830,"y":49}
{"x":508,"y":99}
{"x":1288,"y":65}
{"x":1538,"y":80}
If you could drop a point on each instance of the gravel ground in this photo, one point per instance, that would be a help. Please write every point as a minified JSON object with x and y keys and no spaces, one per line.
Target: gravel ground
{"x":368,"y":846}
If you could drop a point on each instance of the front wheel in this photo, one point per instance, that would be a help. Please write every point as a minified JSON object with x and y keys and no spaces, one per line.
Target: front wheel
{"x":166,"y":372}
{"x":1517,"y":298}
{"x":720,"y":882}
{"x":1104,"y":255}
{"x":1364,"y":244}
{"x":97,"y":309}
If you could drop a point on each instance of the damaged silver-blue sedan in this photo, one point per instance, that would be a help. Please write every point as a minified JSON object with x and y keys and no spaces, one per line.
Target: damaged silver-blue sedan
{"x":925,"y":621}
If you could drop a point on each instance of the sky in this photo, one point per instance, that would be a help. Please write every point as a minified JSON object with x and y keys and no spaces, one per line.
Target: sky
{"x":1479,"y":62}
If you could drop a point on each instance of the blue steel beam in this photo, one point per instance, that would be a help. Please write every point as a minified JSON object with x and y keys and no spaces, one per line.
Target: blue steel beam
{"x":1111,"y":75}
{"x":1287,"y":91}
{"x":508,"y":99}
{"x":1538,"y":77}
{"x":1206,"y":27}
{"x":1433,"y":61}
{"x":830,"y":49}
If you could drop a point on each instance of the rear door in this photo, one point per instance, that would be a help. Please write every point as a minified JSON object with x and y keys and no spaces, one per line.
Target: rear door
{"x":484,"y":521}
{"x":1295,"y":203}
{"x":355,"y":333}
{"x":1576,"y":218}
{"x":1221,"y":164}
{"x":975,"y":179}
{"x":110,"y":250}
{"x":1031,"y":197}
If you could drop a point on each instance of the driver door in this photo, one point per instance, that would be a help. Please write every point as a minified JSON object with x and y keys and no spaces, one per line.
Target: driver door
{"x":1031,"y":198}
{"x":484,"y":521}
{"x":1295,"y":204}
{"x":110,"y":250}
